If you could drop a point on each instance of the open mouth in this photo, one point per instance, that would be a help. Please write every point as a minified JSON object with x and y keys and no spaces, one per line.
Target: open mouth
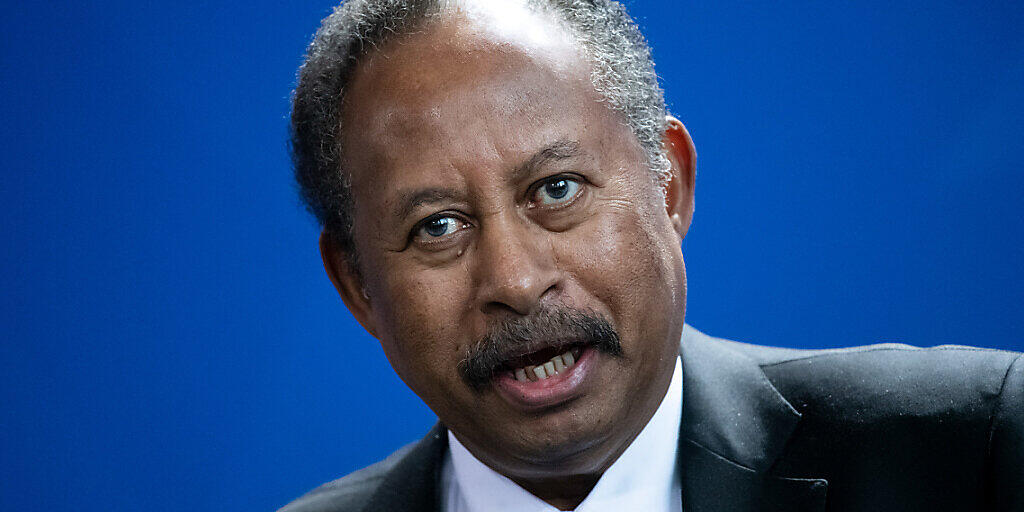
{"x":547,"y":378}
{"x":543,"y":364}
{"x":539,"y":350}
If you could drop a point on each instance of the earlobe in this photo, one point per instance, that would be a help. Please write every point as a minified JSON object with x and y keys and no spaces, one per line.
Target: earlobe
{"x":679,"y":186}
{"x":348,"y":283}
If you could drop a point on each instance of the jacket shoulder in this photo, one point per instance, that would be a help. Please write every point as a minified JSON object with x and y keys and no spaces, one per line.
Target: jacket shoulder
{"x":890,"y":374}
{"x":937,"y":421}
{"x":875,"y":381}
{"x":350,"y":493}
{"x":767,"y":356}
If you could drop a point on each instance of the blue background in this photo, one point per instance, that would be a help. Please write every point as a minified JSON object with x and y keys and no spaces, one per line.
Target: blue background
{"x":170,"y":341}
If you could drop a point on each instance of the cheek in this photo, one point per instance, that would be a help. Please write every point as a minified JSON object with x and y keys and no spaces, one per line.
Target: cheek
{"x":419,"y":315}
{"x":630,"y":264}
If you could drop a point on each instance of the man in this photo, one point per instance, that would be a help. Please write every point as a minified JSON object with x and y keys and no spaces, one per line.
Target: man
{"x":503,"y":198}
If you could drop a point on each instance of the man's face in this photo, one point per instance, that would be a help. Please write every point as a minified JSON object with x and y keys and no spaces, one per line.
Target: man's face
{"x":498,"y":199}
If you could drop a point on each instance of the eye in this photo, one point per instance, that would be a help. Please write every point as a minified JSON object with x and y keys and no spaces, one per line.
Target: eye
{"x":438,"y":227}
{"x":556,"y":191}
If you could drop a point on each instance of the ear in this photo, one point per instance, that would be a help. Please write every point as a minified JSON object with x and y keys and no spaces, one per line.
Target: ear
{"x":679,"y":185}
{"x":348,"y":283}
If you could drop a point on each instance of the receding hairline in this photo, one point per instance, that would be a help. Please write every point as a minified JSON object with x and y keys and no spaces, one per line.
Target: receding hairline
{"x":451,"y":39}
{"x":467,"y":34}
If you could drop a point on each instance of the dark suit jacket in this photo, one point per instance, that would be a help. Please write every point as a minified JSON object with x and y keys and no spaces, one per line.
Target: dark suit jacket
{"x":876,"y":428}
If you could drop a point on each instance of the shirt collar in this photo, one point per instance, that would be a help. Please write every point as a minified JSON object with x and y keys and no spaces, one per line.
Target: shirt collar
{"x":644,"y":477}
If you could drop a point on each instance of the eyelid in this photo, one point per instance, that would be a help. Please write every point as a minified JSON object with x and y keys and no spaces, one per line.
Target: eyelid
{"x":414,"y":234}
{"x":532,"y":191}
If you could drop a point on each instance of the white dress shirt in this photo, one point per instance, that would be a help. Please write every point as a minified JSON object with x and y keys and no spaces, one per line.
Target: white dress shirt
{"x":645,"y":477}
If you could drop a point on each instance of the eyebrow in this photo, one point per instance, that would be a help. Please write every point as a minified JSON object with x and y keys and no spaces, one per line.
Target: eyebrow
{"x":409,"y":201}
{"x":561,"y":149}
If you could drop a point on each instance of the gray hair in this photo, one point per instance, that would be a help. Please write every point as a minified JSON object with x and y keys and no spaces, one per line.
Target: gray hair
{"x":623,"y":74}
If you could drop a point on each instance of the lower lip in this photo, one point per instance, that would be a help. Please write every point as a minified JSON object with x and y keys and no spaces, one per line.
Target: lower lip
{"x":552,"y":391}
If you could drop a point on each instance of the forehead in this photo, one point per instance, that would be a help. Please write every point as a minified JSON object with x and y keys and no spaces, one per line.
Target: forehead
{"x":462,"y":88}
{"x":469,"y":38}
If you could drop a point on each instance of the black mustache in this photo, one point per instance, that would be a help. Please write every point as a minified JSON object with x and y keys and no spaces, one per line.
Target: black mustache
{"x":551,"y":326}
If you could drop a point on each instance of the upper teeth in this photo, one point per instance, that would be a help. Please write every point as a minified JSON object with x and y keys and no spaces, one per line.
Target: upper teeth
{"x":557,"y":364}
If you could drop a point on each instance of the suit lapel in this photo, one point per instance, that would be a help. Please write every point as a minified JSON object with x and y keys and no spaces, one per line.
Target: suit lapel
{"x":735,"y":425}
{"x":413,"y":484}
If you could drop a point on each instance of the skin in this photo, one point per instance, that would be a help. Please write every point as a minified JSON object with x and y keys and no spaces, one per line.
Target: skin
{"x":458,"y":109}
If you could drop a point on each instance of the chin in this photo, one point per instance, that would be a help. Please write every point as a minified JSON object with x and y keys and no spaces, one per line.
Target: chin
{"x":564,"y":456}
{"x":570,"y":441}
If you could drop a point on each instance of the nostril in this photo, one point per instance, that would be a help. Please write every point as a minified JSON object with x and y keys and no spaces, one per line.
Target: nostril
{"x":499,"y":308}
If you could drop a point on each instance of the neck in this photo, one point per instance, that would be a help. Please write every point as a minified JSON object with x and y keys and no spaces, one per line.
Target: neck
{"x":566,"y":492}
{"x":561,"y":493}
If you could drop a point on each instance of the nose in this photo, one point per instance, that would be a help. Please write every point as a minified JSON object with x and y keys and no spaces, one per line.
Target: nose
{"x":515,"y":268}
